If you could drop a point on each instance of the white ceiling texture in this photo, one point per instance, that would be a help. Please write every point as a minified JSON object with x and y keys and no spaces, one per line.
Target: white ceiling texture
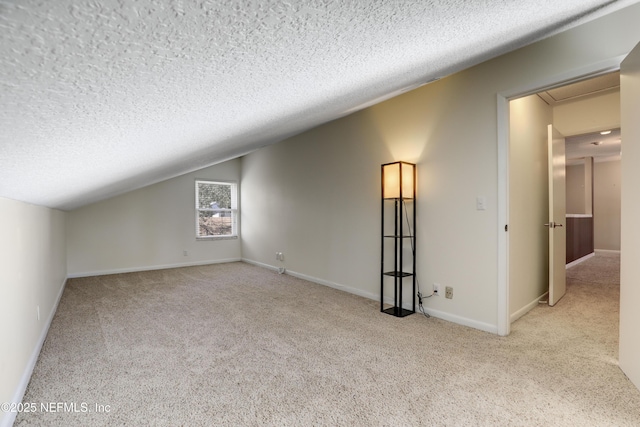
{"x":99,"y":97}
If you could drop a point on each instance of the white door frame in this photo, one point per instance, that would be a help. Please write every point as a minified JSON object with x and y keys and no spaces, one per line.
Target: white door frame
{"x":503,"y":98}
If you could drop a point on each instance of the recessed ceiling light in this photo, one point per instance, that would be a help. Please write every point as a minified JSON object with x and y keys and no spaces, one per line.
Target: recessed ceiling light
{"x":605,"y":132}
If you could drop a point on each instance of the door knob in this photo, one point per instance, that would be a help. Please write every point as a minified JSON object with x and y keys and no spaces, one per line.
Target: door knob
{"x":553,"y":224}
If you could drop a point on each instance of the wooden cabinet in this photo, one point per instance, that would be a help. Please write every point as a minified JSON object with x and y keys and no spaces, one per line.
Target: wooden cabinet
{"x":579,"y":236}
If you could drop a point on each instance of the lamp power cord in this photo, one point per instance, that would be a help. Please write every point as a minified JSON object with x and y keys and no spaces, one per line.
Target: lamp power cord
{"x":413,"y":251}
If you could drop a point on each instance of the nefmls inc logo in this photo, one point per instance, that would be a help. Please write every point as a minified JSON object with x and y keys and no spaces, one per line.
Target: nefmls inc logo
{"x":75,"y":407}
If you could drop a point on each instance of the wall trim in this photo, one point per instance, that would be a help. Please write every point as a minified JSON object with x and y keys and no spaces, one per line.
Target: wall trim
{"x":151,"y":267}
{"x":10,"y":417}
{"x":260,"y":264}
{"x":464,"y":321}
{"x":317,"y":280}
{"x":486,"y":327}
{"x":524,"y":310}
{"x":503,"y":121}
{"x":579,"y":260}
{"x":333,"y":285}
{"x":607,"y":251}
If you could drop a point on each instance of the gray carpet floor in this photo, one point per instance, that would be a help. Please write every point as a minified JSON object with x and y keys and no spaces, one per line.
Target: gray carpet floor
{"x":238,"y":345}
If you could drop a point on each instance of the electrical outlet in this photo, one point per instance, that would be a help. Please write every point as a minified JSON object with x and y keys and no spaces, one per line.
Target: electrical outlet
{"x":448,"y":292}
{"x":185,"y":253}
{"x":436,"y":288}
{"x":279,"y":256}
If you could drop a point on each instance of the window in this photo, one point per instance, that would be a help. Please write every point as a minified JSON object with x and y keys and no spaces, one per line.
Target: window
{"x":216,"y":209}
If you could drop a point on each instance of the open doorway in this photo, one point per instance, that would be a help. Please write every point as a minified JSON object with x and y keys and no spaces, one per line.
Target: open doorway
{"x":629,"y":316}
{"x":593,"y":175}
{"x":580,"y":111}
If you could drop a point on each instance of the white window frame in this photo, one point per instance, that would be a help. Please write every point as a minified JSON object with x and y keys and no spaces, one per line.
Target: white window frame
{"x":233,"y":210}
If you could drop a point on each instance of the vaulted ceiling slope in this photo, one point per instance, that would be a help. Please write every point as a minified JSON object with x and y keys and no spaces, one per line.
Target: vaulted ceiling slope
{"x":100,"y":97}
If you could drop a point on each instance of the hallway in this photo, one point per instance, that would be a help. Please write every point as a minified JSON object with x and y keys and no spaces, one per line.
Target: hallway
{"x":586,"y":319}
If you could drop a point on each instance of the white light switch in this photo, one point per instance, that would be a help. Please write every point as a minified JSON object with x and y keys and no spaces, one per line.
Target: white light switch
{"x":481,"y":203}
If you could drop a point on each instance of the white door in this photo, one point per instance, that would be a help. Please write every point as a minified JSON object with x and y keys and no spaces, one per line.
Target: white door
{"x":630,"y":236}
{"x":557,"y":216}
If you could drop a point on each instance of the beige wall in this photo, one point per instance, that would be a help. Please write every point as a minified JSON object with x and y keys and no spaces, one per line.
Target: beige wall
{"x":528,"y":203}
{"x":588,"y":114}
{"x":321,"y":206}
{"x":33,"y":272}
{"x":630,"y":239}
{"x":606,"y":189}
{"x":146,"y":228}
{"x":315,"y":196}
{"x":575,"y":189}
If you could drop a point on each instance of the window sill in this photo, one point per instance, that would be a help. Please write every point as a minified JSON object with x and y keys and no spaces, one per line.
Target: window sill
{"x":216,"y":238}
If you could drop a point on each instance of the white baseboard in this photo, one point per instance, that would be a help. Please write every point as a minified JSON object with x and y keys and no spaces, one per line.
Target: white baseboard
{"x":464,"y":321}
{"x":328,"y":283}
{"x":579,"y":260}
{"x":312,"y":279}
{"x":334,"y":285}
{"x":151,"y":267}
{"x":435,"y":313}
{"x":260,"y":264}
{"x":524,"y":310}
{"x":607,"y":251}
{"x":10,"y":417}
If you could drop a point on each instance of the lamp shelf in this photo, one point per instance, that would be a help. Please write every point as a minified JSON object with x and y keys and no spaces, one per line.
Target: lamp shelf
{"x":398,"y":311}
{"x":398,"y":274}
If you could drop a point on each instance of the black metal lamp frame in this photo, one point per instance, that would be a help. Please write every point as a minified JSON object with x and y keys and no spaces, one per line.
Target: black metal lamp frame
{"x":400,"y":239}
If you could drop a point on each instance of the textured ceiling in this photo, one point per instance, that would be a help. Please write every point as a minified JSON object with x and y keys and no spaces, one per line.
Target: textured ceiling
{"x":101,"y":97}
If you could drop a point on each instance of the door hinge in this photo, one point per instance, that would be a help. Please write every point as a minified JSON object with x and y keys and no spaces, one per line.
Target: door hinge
{"x":506,"y":227}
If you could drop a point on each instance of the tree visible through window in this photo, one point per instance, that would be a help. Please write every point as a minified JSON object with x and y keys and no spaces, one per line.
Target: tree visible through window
{"x":216,"y":209}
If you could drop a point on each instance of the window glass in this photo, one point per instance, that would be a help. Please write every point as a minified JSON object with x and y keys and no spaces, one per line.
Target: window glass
{"x":216,"y":209}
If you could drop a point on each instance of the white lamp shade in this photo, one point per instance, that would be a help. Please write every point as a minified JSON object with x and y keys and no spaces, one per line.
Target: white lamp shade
{"x":391,"y":175}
